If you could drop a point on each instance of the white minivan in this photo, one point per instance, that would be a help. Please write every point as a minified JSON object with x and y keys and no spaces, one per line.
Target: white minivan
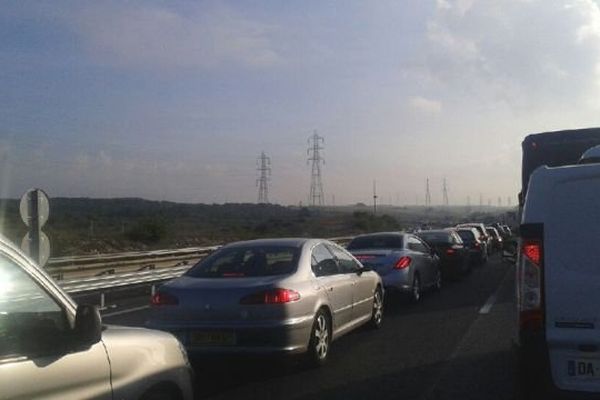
{"x":558,"y":278}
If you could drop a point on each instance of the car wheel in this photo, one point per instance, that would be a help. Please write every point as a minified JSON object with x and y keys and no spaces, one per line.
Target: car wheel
{"x":320,"y":339}
{"x":437,"y":286}
{"x":377,"y":314}
{"x":415,"y":292}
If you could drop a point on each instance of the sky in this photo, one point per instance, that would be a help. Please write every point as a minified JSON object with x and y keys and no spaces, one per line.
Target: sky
{"x":176,"y":100}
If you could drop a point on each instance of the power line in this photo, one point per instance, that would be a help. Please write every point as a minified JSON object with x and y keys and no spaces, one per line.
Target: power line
{"x":264,"y":167}
{"x":316,"y":197}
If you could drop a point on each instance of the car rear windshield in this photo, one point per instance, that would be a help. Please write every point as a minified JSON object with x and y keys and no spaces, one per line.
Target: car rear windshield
{"x":466,"y":236}
{"x":240,"y":262}
{"x":376,"y":242}
{"x":436,"y":237}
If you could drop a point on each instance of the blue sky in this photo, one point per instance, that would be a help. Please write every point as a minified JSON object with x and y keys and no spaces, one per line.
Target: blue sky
{"x":176,"y":100}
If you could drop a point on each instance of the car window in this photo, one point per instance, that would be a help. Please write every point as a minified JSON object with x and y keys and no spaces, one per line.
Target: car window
{"x":323,"y":262}
{"x":436,"y":237}
{"x":467,"y":236}
{"x":346,"y":263}
{"x":376,"y":242}
{"x":416,"y":245}
{"x":250,"y":261}
{"x":28,"y":314}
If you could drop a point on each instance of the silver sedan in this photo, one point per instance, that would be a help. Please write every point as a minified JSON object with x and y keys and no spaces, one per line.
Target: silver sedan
{"x":270,"y":296}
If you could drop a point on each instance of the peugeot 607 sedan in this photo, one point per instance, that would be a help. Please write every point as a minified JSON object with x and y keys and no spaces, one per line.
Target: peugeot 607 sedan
{"x":270,"y":296}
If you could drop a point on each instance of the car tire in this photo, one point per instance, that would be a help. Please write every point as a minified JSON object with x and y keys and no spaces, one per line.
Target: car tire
{"x":377,"y":313}
{"x":415,"y":290}
{"x":320,"y":340}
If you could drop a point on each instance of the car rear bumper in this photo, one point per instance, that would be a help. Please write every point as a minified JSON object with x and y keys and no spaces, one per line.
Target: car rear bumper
{"x":269,"y":337}
{"x":535,"y":369}
{"x":397,"y":281}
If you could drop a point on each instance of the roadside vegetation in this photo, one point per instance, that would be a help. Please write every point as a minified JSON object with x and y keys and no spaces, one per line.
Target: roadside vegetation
{"x":88,"y":226}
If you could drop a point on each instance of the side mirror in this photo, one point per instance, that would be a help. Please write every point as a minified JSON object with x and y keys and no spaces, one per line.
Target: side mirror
{"x":363,"y":269}
{"x":88,"y":325}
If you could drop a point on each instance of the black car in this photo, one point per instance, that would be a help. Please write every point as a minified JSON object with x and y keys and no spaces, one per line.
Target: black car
{"x":453,"y":254}
{"x":474,"y":243}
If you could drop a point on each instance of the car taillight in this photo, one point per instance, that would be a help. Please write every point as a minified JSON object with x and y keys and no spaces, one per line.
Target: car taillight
{"x":530,"y":285}
{"x":403,"y":262}
{"x":273,"y":296}
{"x":164,"y":299}
{"x":477,"y":245}
{"x":450,"y":251}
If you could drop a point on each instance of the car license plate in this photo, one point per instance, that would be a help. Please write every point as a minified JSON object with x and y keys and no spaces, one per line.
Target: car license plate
{"x":583,"y":369}
{"x":212,"y":339}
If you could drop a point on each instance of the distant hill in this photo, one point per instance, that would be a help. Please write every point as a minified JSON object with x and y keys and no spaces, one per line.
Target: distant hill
{"x":87,"y":226}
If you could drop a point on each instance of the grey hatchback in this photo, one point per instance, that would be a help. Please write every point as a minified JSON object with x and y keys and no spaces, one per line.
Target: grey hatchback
{"x":270,"y":296}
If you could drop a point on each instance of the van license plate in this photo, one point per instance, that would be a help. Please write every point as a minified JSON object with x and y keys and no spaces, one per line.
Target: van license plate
{"x":587,"y":369}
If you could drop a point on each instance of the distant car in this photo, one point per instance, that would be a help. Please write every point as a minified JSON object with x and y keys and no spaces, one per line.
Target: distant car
{"x":52,"y":348}
{"x":475,"y":244}
{"x":453,"y":254}
{"x":496,"y":238}
{"x":270,"y":296}
{"x":404,"y":261}
{"x":485,"y":238}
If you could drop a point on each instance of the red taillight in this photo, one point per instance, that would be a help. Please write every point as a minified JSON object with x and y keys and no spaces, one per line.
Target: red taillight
{"x":402,"y":263}
{"x":531,"y":317}
{"x":164,"y":299}
{"x":532,"y":250}
{"x":450,"y":251}
{"x":477,"y":245}
{"x":274,"y":296}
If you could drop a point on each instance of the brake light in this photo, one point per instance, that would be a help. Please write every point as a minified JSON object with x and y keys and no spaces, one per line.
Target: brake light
{"x":477,"y":245}
{"x":403,"y":262}
{"x":450,"y":251}
{"x":530,"y":285}
{"x":273,"y":296}
{"x":164,"y":299}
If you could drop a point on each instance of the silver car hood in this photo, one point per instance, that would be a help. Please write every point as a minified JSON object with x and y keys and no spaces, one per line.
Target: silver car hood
{"x":141,"y":358}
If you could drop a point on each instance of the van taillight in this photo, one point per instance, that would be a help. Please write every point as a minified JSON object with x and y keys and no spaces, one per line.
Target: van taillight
{"x":530,"y":285}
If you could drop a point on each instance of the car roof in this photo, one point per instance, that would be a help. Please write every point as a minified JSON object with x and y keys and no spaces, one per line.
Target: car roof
{"x":284,"y":242}
{"x":448,"y":231}
{"x":380,"y":234}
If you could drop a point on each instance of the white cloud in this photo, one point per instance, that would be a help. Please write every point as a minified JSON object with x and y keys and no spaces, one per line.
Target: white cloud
{"x":150,"y":36}
{"x":525,"y":54}
{"x":425,"y":105}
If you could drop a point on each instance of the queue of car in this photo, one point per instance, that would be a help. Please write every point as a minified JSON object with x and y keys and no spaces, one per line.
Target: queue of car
{"x":269,"y":296}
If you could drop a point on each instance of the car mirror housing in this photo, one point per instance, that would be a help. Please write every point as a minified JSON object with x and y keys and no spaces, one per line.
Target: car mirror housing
{"x":88,"y":325}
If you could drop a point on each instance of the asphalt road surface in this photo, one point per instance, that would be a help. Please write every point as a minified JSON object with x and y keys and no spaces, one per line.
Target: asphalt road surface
{"x":456,"y":344}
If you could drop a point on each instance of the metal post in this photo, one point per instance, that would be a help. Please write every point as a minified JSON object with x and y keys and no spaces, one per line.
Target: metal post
{"x":34,"y":227}
{"x":102,"y":301}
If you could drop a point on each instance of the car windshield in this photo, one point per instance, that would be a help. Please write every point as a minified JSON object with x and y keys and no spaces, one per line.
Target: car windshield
{"x":436,"y":237}
{"x":466,"y":236}
{"x":376,"y":242}
{"x":253,"y":261}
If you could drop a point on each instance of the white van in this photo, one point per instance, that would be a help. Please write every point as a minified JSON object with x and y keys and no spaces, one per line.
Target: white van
{"x":558,"y":279}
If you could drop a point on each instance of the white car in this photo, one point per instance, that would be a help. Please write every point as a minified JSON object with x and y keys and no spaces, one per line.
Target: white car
{"x":50,"y":348}
{"x":558,"y":279}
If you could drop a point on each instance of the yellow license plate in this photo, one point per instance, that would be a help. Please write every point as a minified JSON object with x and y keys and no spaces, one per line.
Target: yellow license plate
{"x":212,"y":339}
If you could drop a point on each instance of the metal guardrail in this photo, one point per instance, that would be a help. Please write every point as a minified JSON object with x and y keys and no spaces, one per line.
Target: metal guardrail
{"x":112,"y":281}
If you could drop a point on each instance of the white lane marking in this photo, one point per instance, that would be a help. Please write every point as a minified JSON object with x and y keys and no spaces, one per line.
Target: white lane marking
{"x":462,"y":344}
{"x":129,"y":310}
{"x":485,"y":309}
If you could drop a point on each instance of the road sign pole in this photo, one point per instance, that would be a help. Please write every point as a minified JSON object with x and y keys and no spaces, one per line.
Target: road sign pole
{"x":34,"y":226}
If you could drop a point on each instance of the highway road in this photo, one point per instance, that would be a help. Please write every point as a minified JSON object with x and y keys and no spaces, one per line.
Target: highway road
{"x":456,"y":344}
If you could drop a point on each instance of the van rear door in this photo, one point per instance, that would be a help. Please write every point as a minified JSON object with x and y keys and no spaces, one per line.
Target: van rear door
{"x":572,"y":276}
